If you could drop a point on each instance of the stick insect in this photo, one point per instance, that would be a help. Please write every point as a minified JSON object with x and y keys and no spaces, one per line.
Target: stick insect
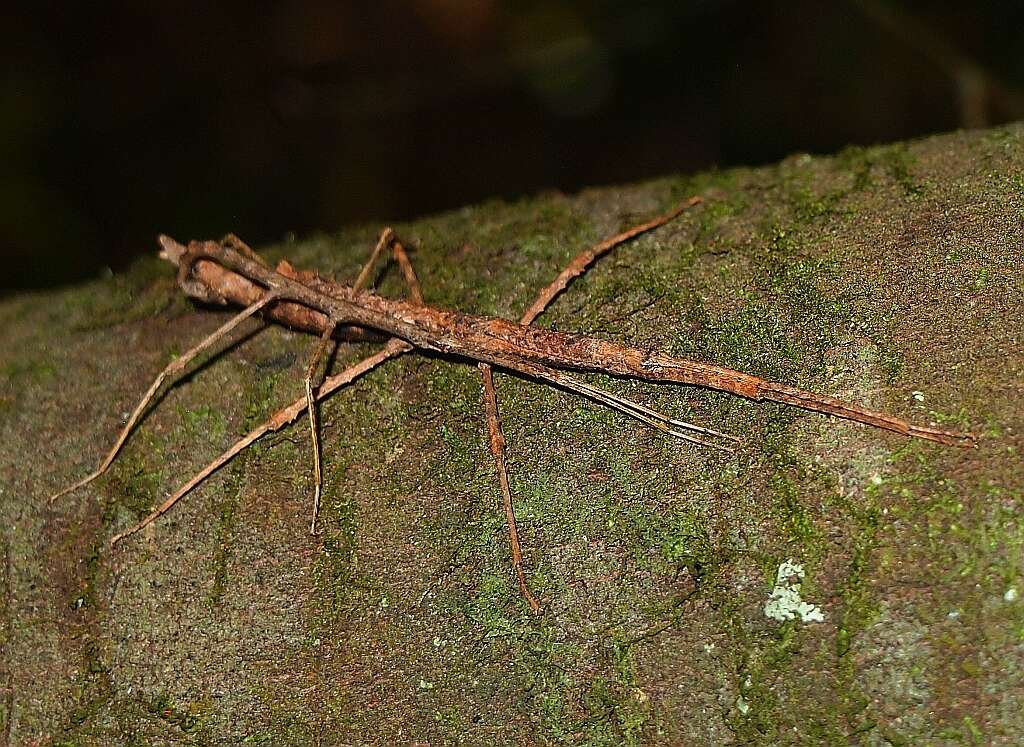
{"x":228,"y":272}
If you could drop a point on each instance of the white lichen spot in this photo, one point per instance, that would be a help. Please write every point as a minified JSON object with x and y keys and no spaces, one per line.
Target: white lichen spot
{"x":918,"y":395}
{"x":1011,"y":594}
{"x":876,"y":479}
{"x":742,"y":705}
{"x":785,"y":602}
{"x":426,"y":685}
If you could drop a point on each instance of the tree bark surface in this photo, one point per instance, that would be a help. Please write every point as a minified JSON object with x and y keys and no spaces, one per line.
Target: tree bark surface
{"x":891,"y":276}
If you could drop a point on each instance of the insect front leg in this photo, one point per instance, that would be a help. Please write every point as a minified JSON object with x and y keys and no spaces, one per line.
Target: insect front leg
{"x":275,"y":422}
{"x":172,"y":370}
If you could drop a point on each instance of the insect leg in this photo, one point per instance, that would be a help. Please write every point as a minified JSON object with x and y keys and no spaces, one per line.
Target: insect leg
{"x":387,"y":238}
{"x":574,"y":269}
{"x":321,"y":352}
{"x":276,"y":422}
{"x":496,"y":441}
{"x":644,"y":414}
{"x":173,"y":368}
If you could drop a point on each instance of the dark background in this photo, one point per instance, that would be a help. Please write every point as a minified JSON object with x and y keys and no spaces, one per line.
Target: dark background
{"x":120,"y":120}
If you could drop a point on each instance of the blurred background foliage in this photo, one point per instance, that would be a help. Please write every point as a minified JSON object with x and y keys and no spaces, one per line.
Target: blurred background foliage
{"x":120,"y":120}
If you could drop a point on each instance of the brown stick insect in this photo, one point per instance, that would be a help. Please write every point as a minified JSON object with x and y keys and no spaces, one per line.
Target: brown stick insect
{"x":229,"y":272}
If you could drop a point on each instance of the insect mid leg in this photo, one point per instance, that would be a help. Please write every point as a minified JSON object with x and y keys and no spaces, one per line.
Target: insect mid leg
{"x":321,"y":352}
{"x":387,"y":238}
{"x":574,"y":269}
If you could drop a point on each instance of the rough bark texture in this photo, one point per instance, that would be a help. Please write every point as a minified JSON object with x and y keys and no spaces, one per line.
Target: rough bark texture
{"x":891,"y":276}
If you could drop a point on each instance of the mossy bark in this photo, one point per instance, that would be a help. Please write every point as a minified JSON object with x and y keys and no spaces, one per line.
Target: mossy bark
{"x":891,"y":276}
